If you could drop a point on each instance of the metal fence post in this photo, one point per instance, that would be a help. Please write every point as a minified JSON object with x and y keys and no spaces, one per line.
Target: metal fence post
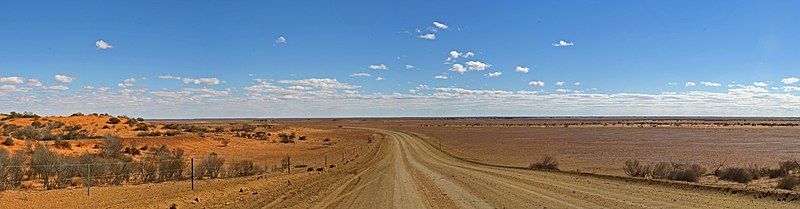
{"x":192,"y":174}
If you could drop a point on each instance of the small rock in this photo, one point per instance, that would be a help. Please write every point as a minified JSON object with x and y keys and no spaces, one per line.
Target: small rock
{"x":197,"y":199}
{"x":173,"y":206}
{"x":241,"y":189}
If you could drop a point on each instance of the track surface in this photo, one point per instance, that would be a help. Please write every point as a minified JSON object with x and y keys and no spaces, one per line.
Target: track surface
{"x":400,"y":171}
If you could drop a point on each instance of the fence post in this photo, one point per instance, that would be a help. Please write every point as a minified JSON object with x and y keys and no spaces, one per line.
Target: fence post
{"x":192,"y":174}
{"x":289,"y":164}
{"x":325,"y":167}
{"x":88,"y":178}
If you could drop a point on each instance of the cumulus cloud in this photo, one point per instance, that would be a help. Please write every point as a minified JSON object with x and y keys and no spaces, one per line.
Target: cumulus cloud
{"x":454,"y":54}
{"x":577,"y":83}
{"x":321,"y":83}
{"x":201,"y":81}
{"x":710,"y":84}
{"x":378,"y":67}
{"x":560,"y":83}
{"x":760,"y":84}
{"x":468,"y":55}
{"x":458,"y":68}
{"x":409,"y":67}
{"x":790,"y":80}
{"x":64,"y":78}
{"x":442,"y":76}
{"x":55,"y":88}
{"x":127,"y":83}
{"x":360,"y":75}
{"x":690,"y":84}
{"x":429,"y":36}
{"x":521,"y":69}
{"x":536,"y":84}
{"x":477,"y":65}
{"x":280,"y":40}
{"x":13,"y":80}
{"x":561,"y":43}
{"x":439,"y":25}
{"x":379,"y":78}
{"x":492,"y":75}
{"x":197,"y":81}
{"x":101,"y":44}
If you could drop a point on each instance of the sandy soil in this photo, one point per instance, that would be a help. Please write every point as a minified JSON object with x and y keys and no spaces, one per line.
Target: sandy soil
{"x":400,"y":171}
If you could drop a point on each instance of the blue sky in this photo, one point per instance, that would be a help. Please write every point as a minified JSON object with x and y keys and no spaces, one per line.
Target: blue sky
{"x":185,"y":59}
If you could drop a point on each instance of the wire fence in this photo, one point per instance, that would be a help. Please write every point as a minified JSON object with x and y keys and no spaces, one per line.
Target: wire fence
{"x":33,"y":175}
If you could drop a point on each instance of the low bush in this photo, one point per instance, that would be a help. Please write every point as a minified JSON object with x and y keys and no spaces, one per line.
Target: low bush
{"x":301,"y":138}
{"x":9,"y":141}
{"x":635,"y":169}
{"x":686,"y":172}
{"x":43,"y":164}
{"x":75,"y":127}
{"x":62,"y":144}
{"x":141,"y":127}
{"x":789,"y":165}
{"x":114,"y":121}
{"x":735,"y":174}
{"x":29,"y":132}
{"x":242,"y":168}
{"x":172,"y":133}
{"x":789,"y":182}
{"x":211,"y":166}
{"x":286,"y":138}
{"x":775,"y":173}
{"x":547,"y":163}
{"x":112,"y":147}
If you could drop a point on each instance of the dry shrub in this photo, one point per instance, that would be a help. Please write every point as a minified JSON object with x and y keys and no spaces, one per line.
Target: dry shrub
{"x":62,"y":144}
{"x":211,"y":166}
{"x":29,"y":132}
{"x":636,"y":169}
{"x":9,"y":141}
{"x":775,"y":173}
{"x":661,"y":170}
{"x":735,"y":174}
{"x":789,"y":182}
{"x":112,"y":147}
{"x":789,"y":165}
{"x":225,"y":142}
{"x":43,"y":163}
{"x":11,"y":171}
{"x":66,"y":171}
{"x":114,"y":121}
{"x":686,"y":172}
{"x":286,"y":161}
{"x":547,"y":163}
{"x":242,"y":168}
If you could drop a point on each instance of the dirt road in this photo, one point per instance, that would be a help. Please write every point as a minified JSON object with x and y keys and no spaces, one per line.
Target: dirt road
{"x":400,"y":171}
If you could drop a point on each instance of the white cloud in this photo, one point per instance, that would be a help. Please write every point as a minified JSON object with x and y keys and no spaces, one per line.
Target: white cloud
{"x":321,"y":83}
{"x":55,"y":88}
{"x":790,"y":80}
{"x":13,"y":80}
{"x":561,"y":43}
{"x":791,"y":88}
{"x":201,"y":81}
{"x":760,"y":84}
{"x":536,"y":83}
{"x":440,"y":25}
{"x":477,"y":65}
{"x":672,"y":83}
{"x":454,"y":54}
{"x":468,"y":55}
{"x":378,"y":67}
{"x":103,"y":44}
{"x":197,"y":81}
{"x":577,"y":83}
{"x":64,"y":78}
{"x":409,"y":67}
{"x":442,"y":76}
{"x":560,"y":83}
{"x":422,"y":87}
{"x":429,"y":36}
{"x":280,"y":40}
{"x":690,"y":84}
{"x":379,"y":78}
{"x":458,"y":68}
{"x":494,"y":74}
{"x":521,"y":69}
{"x":127,"y":83}
{"x":360,"y":75}
{"x":710,"y":84}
